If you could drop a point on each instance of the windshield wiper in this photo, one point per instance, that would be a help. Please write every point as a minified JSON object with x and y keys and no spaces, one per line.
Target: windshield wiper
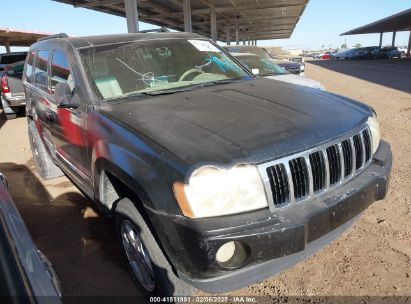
{"x":182,"y":89}
{"x":165,"y":92}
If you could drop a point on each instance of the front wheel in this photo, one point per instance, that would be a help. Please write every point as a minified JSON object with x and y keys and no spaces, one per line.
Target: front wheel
{"x":149,"y":267}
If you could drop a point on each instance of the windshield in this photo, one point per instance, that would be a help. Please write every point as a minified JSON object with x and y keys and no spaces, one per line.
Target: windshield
{"x":261,"y":66}
{"x":156,"y":66}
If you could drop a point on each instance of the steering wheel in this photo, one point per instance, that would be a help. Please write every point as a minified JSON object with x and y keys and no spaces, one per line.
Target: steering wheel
{"x":189,"y":72}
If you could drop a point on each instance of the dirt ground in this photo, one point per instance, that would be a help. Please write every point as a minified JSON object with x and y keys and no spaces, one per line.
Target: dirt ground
{"x":370,"y":259}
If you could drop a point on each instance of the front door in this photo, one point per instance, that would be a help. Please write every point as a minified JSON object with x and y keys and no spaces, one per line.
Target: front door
{"x":68,"y":125}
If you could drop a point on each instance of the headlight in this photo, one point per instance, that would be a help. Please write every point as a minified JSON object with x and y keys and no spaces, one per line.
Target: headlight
{"x":213,"y":191}
{"x":375,"y":132}
{"x":302,"y":68}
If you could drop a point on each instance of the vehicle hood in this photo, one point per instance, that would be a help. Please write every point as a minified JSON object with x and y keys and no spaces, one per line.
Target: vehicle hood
{"x":295,"y":79}
{"x":244,"y":122}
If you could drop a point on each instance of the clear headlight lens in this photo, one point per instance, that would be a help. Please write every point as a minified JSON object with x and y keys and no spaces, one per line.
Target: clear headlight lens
{"x":214,"y":191}
{"x":375,"y":132}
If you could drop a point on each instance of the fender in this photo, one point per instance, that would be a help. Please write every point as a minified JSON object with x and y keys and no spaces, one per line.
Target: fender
{"x":132,"y":171}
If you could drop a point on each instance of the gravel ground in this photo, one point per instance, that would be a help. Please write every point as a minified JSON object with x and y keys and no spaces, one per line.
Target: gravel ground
{"x":370,"y":259}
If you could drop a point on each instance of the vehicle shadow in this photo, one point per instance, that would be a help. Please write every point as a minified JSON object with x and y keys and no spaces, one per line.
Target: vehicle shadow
{"x":76,"y":238}
{"x":392,"y":73}
{"x":3,"y":119}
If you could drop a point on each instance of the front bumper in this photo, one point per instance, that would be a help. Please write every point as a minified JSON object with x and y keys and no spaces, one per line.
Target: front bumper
{"x":276,"y":240}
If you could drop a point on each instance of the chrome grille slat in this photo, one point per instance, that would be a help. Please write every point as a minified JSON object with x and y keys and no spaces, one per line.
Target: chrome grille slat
{"x":342,"y":165}
{"x":310,"y":176}
{"x":362,"y":150}
{"x":354,"y":158}
{"x":290,"y":184}
{"x":306,"y":174}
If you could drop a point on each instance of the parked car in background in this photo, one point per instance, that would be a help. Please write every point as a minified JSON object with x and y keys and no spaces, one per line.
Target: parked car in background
{"x":268,"y":69}
{"x":281,"y":54}
{"x":9,"y":58}
{"x":12,"y":95}
{"x":326,"y":56}
{"x":216,"y":179}
{"x":367,"y":52}
{"x":290,"y":66}
{"x":26,"y":275}
{"x":348,"y":54}
{"x":389,"y":52}
{"x":317,"y":55}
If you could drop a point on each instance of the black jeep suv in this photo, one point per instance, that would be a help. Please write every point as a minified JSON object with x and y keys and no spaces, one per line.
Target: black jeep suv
{"x":216,"y":179}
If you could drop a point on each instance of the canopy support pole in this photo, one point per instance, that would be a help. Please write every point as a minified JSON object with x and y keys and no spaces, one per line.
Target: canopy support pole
{"x":393,"y":38}
{"x":131,"y":15}
{"x":188,"y":27}
{"x":409,"y":46}
{"x":381,"y":39}
{"x":213,"y":22}
{"x":7,"y":46}
{"x":237,"y":34}
{"x":228,"y":32}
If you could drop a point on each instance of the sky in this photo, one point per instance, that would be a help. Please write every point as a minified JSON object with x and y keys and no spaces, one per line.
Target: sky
{"x":321,"y":23}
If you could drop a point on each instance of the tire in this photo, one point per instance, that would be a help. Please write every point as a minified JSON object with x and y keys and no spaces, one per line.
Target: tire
{"x":46,"y":168}
{"x":166,"y":283}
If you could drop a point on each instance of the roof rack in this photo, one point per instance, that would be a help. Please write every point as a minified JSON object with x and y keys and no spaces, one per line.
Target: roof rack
{"x":60,"y":35}
{"x":160,"y":30}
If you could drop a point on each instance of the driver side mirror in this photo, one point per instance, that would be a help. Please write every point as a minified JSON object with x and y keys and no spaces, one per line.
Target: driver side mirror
{"x":10,"y":72}
{"x":64,"y":96}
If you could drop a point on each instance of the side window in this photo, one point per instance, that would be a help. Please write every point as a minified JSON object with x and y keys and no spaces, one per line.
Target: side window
{"x":29,"y":67}
{"x":60,"y":70}
{"x":40,"y":73}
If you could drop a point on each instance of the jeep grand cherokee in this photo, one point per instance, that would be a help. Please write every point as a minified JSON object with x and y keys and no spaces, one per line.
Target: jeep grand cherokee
{"x":216,"y":179}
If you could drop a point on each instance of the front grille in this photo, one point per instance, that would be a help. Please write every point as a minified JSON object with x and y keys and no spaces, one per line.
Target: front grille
{"x":279,"y":183}
{"x":367,"y":144}
{"x":298,"y":177}
{"x":347,"y":153}
{"x":358,"y":151}
{"x":318,"y":170}
{"x":299,"y":174}
{"x":334,"y":163}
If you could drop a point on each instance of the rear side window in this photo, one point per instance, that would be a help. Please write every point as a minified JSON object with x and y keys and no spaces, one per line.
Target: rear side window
{"x":29,"y":67}
{"x":40,"y":73}
{"x":60,"y":70}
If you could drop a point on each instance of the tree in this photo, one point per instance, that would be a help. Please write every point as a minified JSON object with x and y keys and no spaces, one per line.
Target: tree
{"x":358,"y":45}
{"x":343,"y":46}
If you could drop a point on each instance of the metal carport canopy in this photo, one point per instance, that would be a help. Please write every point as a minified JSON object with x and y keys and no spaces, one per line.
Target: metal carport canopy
{"x":13,"y":37}
{"x":234,"y":19}
{"x":396,"y":23}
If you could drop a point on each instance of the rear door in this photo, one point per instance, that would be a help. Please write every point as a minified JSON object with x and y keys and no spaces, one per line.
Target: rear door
{"x":40,"y":95}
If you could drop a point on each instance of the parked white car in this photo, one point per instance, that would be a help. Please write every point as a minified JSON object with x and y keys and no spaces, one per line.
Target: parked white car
{"x":268,"y":69}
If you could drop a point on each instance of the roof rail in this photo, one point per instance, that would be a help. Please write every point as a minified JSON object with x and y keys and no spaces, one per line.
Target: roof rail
{"x":160,"y":30}
{"x":60,"y":35}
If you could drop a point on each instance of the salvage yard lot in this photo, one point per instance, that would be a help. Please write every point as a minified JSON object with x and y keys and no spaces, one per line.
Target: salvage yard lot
{"x":371,"y":258}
